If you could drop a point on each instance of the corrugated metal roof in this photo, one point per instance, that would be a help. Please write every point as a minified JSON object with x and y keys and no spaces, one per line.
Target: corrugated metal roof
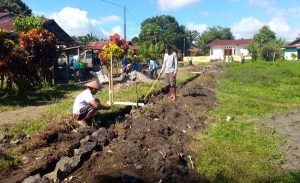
{"x":6,"y":23}
{"x":134,"y":47}
{"x":97,"y":45}
{"x":231,"y":42}
{"x":293,"y":44}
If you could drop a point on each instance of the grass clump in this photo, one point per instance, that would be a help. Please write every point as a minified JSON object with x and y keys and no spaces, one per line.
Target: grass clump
{"x":259,"y":88}
{"x":28,"y":128}
{"x":239,"y":152}
{"x":8,"y":160}
{"x":244,"y":150}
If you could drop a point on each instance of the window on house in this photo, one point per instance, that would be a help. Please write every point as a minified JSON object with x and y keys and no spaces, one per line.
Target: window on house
{"x":211,"y":52}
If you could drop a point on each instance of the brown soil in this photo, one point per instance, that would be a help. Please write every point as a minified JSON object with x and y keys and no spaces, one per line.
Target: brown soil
{"x":288,"y":125}
{"x":152,"y":143}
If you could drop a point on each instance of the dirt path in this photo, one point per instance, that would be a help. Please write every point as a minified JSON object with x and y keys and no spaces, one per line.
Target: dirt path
{"x":29,"y":113}
{"x":288,"y":125}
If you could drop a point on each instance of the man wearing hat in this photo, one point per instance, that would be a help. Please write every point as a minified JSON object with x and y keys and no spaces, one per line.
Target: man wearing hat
{"x":85,"y":105}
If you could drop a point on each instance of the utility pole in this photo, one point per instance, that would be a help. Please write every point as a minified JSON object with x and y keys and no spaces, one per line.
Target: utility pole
{"x":125,"y":23}
{"x":184,"y":46}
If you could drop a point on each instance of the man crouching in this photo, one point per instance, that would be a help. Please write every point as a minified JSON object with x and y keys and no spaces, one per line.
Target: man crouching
{"x":85,"y":106}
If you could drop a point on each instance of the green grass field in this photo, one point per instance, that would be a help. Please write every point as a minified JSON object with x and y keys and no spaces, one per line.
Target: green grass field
{"x":243,"y":150}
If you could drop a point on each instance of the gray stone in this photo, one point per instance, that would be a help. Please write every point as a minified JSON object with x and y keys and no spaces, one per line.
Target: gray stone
{"x":85,"y":148}
{"x":139,"y":167}
{"x":3,"y":137}
{"x":99,"y":134}
{"x":66,"y":165}
{"x":33,"y":179}
{"x":85,"y":140}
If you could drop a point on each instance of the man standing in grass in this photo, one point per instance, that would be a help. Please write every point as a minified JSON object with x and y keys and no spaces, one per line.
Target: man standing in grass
{"x":85,"y":106}
{"x":169,"y":67}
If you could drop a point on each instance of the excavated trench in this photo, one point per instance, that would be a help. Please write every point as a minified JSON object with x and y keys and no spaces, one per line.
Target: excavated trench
{"x":151,"y":144}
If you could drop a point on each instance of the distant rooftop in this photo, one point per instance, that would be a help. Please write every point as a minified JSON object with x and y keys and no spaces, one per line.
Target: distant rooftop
{"x":6,"y":23}
{"x":230,"y":42}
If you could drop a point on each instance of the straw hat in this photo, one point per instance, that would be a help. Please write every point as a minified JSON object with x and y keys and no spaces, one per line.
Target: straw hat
{"x":93,"y":84}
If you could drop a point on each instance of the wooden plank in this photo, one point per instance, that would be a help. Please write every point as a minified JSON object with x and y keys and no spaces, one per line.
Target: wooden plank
{"x":129,"y":103}
{"x":201,"y":72}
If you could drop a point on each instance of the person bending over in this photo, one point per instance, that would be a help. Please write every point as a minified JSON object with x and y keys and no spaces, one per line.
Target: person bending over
{"x":85,"y":105}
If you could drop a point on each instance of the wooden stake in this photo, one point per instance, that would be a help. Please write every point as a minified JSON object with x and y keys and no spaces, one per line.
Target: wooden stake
{"x":136,"y":91}
{"x":111,"y":81}
{"x":151,"y":87}
{"x":112,"y":78}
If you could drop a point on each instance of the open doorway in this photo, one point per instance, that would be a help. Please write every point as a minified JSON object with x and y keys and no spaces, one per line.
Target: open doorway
{"x":228,"y":52}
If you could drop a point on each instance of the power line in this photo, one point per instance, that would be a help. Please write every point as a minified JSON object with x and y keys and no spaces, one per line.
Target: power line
{"x":125,"y":8}
{"x":113,"y":3}
{"x":132,"y":17}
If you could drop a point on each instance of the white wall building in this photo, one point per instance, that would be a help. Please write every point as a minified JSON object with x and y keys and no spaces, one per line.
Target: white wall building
{"x":292,"y":50}
{"x":220,"y":49}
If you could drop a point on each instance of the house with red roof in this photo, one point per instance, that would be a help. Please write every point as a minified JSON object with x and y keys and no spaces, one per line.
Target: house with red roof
{"x":97,"y":45}
{"x":63,"y":40}
{"x":292,"y":50}
{"x":221,"y":49}
{"x":7,"y":19}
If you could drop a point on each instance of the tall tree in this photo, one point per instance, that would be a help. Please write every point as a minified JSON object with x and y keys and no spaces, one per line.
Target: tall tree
{"x":264,"y":36}
{"x":190,"y":38}
{"x":212,"y":34}
{"x":15,"y":6}
{"x":24,"y":24}
{"x":84,"y":40}
{"x":162,"y":30}
{"x":135,"y":40}
{"x":265,"y":45}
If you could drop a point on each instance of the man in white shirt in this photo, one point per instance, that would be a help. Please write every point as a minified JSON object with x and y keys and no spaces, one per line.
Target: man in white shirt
{"x":169,"y":67}
{"x":85,"y":106}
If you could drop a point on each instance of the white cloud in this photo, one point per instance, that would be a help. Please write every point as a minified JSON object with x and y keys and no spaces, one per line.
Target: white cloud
{"x":76,"y":22}
{"x":294,"y":12}
{"x":167,"y":5}
{"x":282,"y":28}
{"x":263,"y":3}
{"x":204,"y":13}
{"x":198,"y":27}
{"x":110,"y":19}
{"x":246,"y":28}
{"x":117,"y":29}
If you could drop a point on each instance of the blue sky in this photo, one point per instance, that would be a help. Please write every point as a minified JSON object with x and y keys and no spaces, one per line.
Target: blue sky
{"x":244,"y":17}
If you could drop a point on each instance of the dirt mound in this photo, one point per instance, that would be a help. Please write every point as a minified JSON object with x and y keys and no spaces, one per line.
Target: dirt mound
{"x":152,"y":144}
